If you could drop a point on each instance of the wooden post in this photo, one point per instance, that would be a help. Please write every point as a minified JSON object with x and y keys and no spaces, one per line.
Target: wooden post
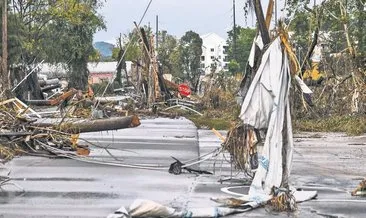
{"x":261,"y":22}
{"x":4,"y":61}
{"x":269,"y":14}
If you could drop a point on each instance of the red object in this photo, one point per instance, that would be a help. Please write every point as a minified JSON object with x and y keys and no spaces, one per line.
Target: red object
{"x":184,"y":90}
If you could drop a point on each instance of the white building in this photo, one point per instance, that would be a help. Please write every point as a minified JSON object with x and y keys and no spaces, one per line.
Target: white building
{"x":214,"y":53}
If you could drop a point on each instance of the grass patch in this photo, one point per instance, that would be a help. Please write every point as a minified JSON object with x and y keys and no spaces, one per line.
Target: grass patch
{"x":219,"y":119}
{"x":352,"y":125}
{"x":203,"y":122}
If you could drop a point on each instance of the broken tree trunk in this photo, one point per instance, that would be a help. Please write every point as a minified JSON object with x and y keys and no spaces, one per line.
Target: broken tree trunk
{"x":82,"y":126}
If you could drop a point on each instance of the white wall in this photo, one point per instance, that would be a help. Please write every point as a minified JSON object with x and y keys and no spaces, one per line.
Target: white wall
{"x":213,"y":52}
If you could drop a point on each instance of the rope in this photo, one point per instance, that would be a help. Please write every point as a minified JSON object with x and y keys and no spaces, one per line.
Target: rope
{"x":71,"y":155}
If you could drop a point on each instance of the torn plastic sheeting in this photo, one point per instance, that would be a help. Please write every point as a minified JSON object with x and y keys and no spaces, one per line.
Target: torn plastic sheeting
{"x":147,"y":208}
{"x":266,"y":106}
{"x":257,"y":41}
{"x":241,"y":200}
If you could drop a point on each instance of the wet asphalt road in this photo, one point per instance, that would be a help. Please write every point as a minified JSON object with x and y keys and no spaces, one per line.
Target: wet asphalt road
{"x":333,"y":164}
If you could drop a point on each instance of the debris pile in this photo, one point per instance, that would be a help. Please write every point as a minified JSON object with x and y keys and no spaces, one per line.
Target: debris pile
{"x":19,"y":134}
{"x":22,"y":133}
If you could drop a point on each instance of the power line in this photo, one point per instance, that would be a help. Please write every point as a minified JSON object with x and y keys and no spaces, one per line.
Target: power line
{"x":128,"y":46}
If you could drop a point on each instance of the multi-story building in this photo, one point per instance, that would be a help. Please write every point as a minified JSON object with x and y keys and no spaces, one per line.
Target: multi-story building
{"x":214,"y":53}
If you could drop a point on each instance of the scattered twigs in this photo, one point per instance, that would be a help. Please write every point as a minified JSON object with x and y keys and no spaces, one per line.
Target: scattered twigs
{"x":5,"y":178}
{"x":282,"y":200}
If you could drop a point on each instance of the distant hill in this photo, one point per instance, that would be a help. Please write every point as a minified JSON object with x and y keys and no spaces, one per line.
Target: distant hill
{"x":104,"y":48}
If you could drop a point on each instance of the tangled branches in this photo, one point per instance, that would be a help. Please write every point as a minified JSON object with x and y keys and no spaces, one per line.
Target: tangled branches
{"x":20,"y":134}
{"x":241,"y":142}
{"x":282,"y":200}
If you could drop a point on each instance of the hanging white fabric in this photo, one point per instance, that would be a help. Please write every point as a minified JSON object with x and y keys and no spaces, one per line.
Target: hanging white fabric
{"x":265,"y":107}
{"x":259,"y":42}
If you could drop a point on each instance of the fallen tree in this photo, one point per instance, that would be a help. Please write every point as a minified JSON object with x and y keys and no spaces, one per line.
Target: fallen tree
{"x":82,"y":126}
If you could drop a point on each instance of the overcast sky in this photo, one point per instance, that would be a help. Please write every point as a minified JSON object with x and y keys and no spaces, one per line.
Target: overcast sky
{"x":175,"y":16}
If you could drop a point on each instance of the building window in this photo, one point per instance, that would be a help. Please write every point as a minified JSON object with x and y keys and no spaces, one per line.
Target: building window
{"x":202,"y":58}
{"x":212,"y":49}
{"x":219,"y":57}
{"x":212,"y":57}
{"x":226,"y":59}
{"x":226,"y":48}
{"x":202,"y":66}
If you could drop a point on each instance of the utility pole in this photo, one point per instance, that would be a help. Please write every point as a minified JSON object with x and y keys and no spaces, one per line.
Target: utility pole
{"x":275,"y":13}
{"x":157,"y":33}
{"x":234,"y":31}
{"x":261,"y":22}
{"x":4,"y":61}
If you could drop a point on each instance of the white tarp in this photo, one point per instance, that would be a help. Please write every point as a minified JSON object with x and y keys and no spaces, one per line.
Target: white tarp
{"x":266,"y":106}
{"x":147,"y":208}
{"x":257,"y":41}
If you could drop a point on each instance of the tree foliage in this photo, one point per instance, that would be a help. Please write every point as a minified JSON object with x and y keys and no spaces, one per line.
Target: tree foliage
{"x":336,"y":14}
{"x":244,"y":41}
{"x":58,"y":31}
{"x":168,"y":54}
{"x":190,"y":53}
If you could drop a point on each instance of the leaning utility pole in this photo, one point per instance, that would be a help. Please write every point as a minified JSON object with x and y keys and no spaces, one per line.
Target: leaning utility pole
{"x":4,"y":62}
{"x":234,"y":32}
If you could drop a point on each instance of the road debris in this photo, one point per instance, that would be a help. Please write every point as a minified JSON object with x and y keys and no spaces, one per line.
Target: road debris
{"x":147,"y":208}
{"x":177,"y":167}
{"x":360,"y":190}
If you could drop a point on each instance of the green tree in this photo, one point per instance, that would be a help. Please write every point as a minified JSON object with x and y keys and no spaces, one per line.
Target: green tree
{"x":169,"y":55}
{"x":55,"y":31}
{"x":190,"y":53}
{"x":76,"y":22}
{"x":244,"y":40}
{"x":336,"y":14}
